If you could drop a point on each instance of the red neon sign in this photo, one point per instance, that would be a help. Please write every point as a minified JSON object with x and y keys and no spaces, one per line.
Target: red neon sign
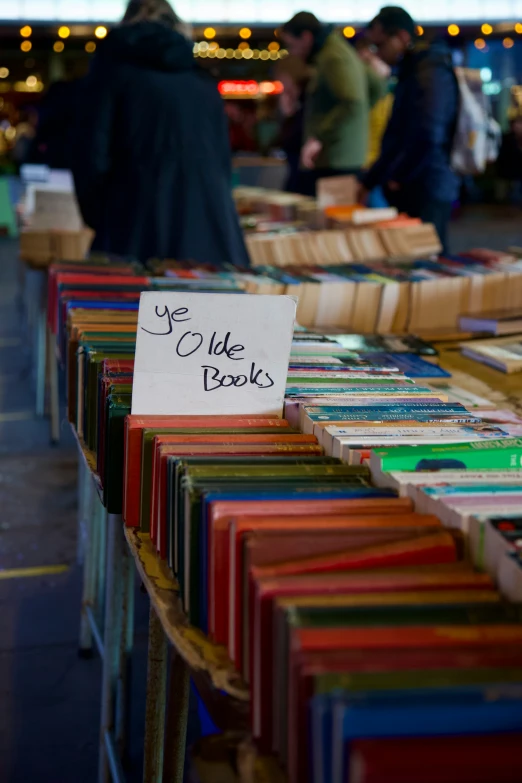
{"x":248,"y":88}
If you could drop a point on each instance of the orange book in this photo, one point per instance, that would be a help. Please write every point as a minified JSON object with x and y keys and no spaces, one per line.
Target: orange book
{"x":222,"y":512}
{"x":134,"y":426}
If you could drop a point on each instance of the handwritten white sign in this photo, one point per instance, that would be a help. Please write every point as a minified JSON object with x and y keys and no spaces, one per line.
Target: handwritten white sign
{"x":211,"y":354}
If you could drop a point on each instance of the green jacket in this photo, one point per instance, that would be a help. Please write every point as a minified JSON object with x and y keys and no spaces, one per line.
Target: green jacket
{"x":340,"y":96}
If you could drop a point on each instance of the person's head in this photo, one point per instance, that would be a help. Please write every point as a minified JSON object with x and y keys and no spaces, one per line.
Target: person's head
{"x":299,"y":34}
{"x":392,"y":32}
{"x":151,"y":11}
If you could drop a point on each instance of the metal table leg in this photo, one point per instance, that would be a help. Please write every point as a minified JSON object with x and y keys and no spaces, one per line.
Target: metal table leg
{"x":155,"y":710}
{"x":52,"y":360}
{"x":120,"y":573}
{"x":177,"y":717}
{"x":87,"y":525}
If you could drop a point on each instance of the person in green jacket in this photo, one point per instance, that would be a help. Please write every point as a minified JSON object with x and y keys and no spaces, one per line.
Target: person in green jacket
{"x":340,"y":95}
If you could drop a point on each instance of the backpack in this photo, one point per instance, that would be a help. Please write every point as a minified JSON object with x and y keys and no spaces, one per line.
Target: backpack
{"x":477,"y":136}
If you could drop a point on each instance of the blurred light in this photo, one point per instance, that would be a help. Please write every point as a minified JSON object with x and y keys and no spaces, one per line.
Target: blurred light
{"x":203,"y":53}
{"x":213,"y":46}
{"x":271,"y":88}
{"x":220,"y":53}
{"x":283,"y":53}
{"x":518,"y":28}
{"x":420,"y":30}
{"x":249,"y":88}
{"x":480,"y":43}
{"x":203,"y":47}
{"x":90,"y":47}
{"x":31,"y":81}
{"x":243,"y":45}
{"x":25,"y":31}
{"x":255,"y":54}
{"x":273,"y":55}
{"x":264,"y":55}
{"x":486,"y":74}
{"x":58,"y":46}
{"x":229,"y":53}
{"x":245,"y":32}
{"x":195,"y":48}
{"x":349,"y":32}
{"x":4,"y":73}
{"x":26,"y":46}
{"x":238,"y":54}
{"x":100,"y":31}
{"x":492,"y":88}
{"x":508,"y":43}
{"x":63,"y":32}
{"x":248,"y":54}
{"x":273,"y":47}
{"x":209,"y":32}
{"x":211,"y":53}
{"x":453,"y":29}
{"x":10,"y":133}
{"x":486,"y":29}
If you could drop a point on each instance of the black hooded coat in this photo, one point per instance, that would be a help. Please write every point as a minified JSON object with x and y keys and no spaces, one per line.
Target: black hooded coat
{"x":152,"y":158}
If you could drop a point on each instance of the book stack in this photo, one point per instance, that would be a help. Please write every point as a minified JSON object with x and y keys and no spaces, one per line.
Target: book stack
{"x":365,"y":633}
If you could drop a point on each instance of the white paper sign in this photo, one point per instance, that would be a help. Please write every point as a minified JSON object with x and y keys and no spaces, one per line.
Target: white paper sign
{"x":211,"y":354}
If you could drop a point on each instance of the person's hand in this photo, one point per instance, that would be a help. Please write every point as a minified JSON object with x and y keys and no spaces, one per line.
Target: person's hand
{"x":362,"y":194}
{"x":310,"y":152}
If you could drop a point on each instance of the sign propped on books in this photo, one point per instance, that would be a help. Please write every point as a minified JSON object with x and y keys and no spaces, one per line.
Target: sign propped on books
{"x":212,"y":354}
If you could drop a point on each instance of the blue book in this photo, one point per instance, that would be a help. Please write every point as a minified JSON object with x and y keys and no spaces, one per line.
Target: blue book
{"x":410,"y":364}
{"x":452,"y":718}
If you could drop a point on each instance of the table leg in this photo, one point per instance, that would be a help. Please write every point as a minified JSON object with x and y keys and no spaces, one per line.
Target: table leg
{"x":41,"y":361}
{"x":177,"y":717}
{"x":119,"y":572}
{"x":155,"y":710}
{"x":53,"y":387}
{"x":87,"y":534}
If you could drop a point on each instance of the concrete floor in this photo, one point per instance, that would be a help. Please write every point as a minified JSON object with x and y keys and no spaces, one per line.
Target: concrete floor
{"x":49,"y":698}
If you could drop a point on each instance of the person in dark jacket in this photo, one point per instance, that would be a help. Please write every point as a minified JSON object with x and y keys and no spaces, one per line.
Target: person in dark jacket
{"x":152,"y":163}
{"x":414,"y":165}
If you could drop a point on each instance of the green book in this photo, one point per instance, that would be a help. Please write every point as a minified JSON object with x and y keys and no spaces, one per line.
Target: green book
{"x":500,"y":454}
{"x":118,"y":407}
{"x":411,"y":680}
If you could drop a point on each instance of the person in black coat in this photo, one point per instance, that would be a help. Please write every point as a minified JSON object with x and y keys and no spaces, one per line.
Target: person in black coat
{"x":152,"y":163}
{"x":414,"y":166}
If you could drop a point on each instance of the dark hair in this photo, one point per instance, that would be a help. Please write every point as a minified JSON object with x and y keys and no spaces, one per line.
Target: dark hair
{"x":393,"y":19}
{"x":302,"y":22}
{"x":151,"y":11}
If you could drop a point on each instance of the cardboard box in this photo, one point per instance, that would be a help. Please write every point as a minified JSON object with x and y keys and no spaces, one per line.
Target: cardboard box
{"x":41,"y":248}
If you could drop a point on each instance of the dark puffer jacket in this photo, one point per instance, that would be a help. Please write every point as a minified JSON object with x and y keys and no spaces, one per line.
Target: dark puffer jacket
{"x":417,"y":144}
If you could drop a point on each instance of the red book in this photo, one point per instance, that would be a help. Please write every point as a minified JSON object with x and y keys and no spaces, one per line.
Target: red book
{"x":222,"y":512}
{"x":490,"y":758}
{"x":134,"y":426}
{"x":292,"y":538}
{"x":432,"y":549}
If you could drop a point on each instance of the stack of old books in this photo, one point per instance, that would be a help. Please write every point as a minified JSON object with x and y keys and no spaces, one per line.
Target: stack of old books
{"x":367,"y":633}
